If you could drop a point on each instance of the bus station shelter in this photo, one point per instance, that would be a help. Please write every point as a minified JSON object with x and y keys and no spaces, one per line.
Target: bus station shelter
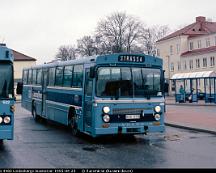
{"x":196,"y":85}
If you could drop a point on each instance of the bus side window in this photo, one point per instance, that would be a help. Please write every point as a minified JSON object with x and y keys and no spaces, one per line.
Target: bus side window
{"x":51,"y":76}
{"x":78,"y":76}
{"x":59,"y":76}
{"x":39,"y":73}
{"x":25,"y":77}
{"x":30,"y":77}
{"x":67,"y":81}
{"x":34,"y":74}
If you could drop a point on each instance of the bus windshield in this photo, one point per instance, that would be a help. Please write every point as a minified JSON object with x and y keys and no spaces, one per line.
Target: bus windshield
{"x":6,"y":82}
{"x":128,"y":82}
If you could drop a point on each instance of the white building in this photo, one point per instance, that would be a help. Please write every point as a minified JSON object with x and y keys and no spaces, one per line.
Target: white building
{"x":190,"y":49}
{"x":21,"y":61}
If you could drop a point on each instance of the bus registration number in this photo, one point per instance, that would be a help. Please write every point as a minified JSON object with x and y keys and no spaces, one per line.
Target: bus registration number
{"x":132,"y":117}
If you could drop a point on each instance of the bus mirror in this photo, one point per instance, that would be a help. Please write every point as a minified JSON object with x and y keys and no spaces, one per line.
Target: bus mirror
{"x":92,"y":72}
{"x":19,"y":88}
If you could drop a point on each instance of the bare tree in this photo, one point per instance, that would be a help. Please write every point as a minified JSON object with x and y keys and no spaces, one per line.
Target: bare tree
{"x":86,"y":46}
{"x":151,"y":35}
{"x":66,"y":53}
{"x":133,"y":33}
{"x":118,"y":32}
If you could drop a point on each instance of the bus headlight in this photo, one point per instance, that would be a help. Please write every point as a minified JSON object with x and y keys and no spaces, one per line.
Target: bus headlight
{"x":157,"y":117}
{"x":157,"y":109}
{"x":7,"y":120}
{"x":106,"y":109}
{"x":106,"y":118}
{"x":1,"y":120}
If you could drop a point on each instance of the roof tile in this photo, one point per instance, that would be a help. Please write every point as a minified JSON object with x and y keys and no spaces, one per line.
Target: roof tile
{"x":199,"y":51}
{"x":21,"y":57}
{"x":200,"y":27}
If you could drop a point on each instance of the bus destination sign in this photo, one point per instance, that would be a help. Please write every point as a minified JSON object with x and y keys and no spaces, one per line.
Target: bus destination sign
{"x":131,"y":58}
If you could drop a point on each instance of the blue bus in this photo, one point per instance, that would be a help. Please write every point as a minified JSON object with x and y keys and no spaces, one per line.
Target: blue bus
{"x":7,"y":99}
{"x":99,"y":95}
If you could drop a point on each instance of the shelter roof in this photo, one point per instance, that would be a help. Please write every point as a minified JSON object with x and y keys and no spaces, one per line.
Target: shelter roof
{"x":194,"y":75}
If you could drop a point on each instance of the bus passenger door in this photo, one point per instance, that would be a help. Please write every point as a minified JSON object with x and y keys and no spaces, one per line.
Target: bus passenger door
{"x":87,"y":114}
{"x":44,"y":87}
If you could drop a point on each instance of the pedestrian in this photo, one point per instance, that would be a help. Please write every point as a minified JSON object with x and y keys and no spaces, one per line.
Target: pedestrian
{"x":182,"y":94}
{"x":190,"y":98}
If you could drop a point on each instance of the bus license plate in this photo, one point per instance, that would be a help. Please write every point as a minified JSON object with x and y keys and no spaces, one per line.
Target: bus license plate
{"x":132,"y":117}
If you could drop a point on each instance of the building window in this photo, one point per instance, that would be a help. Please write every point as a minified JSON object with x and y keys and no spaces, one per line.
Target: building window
{"x":208,"y":44}
{"x":172,"y":67}
{"x":204,"y":62}
{"x":197,"y":63}
{"x":171,"y":50}
{"x":185,"y":65}
{"x":191,"y":46}
{"x":177,"y":48}
{"x":179,"y":66}
{"x":158,"y":52}
{"x":212,"y":61}
{"x":199,"y":44}
{"x":191,"y":64}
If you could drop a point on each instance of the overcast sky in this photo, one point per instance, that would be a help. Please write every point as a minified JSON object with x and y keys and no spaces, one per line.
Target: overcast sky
{"x":38,"y":27}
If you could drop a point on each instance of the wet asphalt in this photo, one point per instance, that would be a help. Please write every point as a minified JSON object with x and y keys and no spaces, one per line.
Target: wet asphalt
{"x":49,"y":145}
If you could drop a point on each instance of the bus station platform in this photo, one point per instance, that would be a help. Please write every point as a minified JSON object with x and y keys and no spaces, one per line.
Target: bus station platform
{"x":198,"y":116}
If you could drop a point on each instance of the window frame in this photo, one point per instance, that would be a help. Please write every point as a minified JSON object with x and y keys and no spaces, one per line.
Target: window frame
{"x":39,"y":82}
{"x":62,"y":76}
{"x":71,"y":79}
{"x":73,"y":76}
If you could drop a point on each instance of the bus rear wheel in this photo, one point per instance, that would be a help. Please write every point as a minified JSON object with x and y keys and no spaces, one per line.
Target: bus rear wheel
{"x":1,"y":141}
{"x":73,"y":126}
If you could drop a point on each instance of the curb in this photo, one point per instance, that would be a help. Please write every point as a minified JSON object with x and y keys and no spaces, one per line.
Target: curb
{"x":186,"y":104}
{"x":191,"y":128}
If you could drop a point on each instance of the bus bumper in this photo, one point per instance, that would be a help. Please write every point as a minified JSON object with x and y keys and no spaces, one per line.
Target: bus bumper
{"x":6,"y":134}
{"x":129,"y":130}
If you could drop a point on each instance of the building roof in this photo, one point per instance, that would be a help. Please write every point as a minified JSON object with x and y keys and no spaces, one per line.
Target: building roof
{"x":200,"y":27}
{"x":21,"y":57}
{"x":199,"y":51}
{"x":194,"y":75}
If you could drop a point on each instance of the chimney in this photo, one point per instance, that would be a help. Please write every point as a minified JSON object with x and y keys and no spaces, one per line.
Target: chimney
{"x":200,"y":19}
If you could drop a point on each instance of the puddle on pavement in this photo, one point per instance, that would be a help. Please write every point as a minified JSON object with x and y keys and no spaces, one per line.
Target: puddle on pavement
{"x":174,"y":137}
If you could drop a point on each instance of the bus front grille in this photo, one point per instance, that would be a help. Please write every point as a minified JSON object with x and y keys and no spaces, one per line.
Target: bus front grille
{"x":135,"y":111}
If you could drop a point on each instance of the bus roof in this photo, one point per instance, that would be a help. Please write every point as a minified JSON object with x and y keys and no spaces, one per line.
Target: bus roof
{"x":6,"y":54}
{"x":118,"y":58}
